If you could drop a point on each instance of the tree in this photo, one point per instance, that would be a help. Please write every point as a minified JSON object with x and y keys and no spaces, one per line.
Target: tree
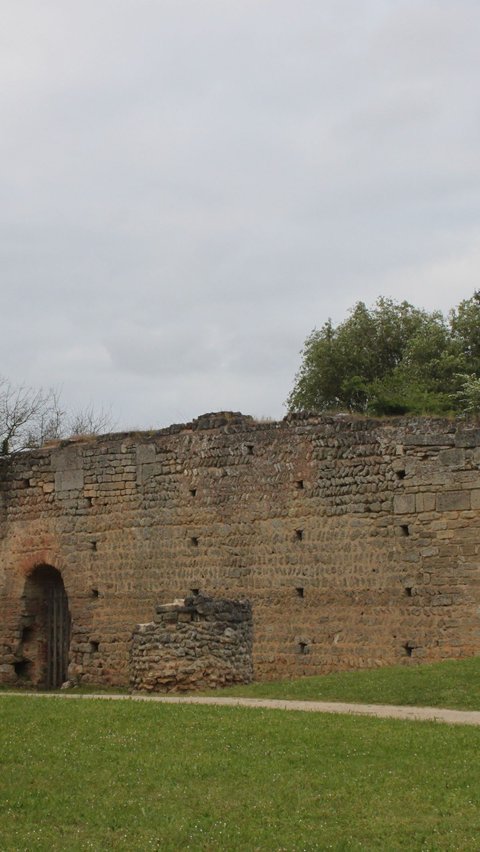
{"x":89,"y":421}
{"x":29,"y":417}
{"x":392,"y":358}
{"x":465,"y":326}
{"x":469,"y":394}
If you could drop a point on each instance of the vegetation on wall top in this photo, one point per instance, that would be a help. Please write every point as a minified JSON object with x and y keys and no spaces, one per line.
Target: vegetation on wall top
{"x":393,"y":358}
{"x":31,"y":416}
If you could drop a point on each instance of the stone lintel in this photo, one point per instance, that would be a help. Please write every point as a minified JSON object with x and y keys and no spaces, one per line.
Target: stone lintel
{"x":429,"y":439}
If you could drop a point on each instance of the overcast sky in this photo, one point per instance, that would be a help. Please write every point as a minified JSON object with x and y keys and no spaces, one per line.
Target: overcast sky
{"x":188,"y":187}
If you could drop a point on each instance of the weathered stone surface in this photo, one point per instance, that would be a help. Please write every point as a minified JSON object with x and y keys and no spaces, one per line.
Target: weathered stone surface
{"x":467,"y":438}
{"x":453,"y":500}
{"x":66,"y":458}
{"x":403,"y":504}
{"x":145,"y":453}
{"x":429,"y":439}
{"x":351,"y":538}
{"x":425,"y":502}
{"x":210,"y":646}
{"x":454,"y":458}
{"x":68,"y":480}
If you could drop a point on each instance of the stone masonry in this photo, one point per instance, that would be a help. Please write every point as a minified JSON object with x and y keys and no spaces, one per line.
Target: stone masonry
{"x":356,"y":540}
{"x":196,"y":643}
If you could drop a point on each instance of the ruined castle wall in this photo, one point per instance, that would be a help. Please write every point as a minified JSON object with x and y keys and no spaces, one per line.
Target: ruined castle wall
{"x":198,"y":643}
{"x":357,"y":541}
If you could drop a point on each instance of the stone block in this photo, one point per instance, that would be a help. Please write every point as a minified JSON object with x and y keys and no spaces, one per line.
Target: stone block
{"x":452,"y":458}
{"x":453,"y":501}
{"x":429,"y":439}
{"x":475,"y":498}
{"x":68,"y":480}
{"x":67,"y":458}
{"x":467,"y":438}
{"x":146,"y":453}
{"x":425,"y":502}
{"x":146,"y":471}
{"x":442,"y":600}
{"x":404,"y":504}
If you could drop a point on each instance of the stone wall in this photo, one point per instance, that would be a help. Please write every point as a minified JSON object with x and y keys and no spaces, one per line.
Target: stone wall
{"x":356,"y":540}
{"x":196,"y":643}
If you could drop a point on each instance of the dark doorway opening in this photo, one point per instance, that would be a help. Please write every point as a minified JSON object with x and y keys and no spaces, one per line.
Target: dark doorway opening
{"x":45,"y":629}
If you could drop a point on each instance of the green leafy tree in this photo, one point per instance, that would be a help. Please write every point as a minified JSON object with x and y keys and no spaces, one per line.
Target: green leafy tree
{"x":465,"y":327}
{"x":392,"y":358}
{"x":469,"y":394}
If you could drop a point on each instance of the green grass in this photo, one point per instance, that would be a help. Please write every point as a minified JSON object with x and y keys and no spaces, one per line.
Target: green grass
{"x":83,"y":689}
{"x":453,"y":683}
{"x":105,"y":775}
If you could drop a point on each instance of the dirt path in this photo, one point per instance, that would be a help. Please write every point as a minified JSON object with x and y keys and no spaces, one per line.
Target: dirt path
{"x":384,"y":711}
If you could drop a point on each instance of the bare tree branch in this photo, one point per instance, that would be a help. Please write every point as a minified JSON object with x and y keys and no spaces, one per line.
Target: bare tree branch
{"x":90,"y":422}
{"x":29,"y":417}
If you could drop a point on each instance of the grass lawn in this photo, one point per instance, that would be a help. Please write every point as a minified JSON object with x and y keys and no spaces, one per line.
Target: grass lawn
{"x":121,"y":775}
{"x":453,"y":683}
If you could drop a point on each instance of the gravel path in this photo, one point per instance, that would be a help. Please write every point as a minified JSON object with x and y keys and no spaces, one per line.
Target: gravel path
{"x":384,"y":711}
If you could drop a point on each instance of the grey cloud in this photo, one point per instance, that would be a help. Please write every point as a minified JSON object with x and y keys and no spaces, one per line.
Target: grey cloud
{"x":174,"y":350}
{"x":187,"y":189}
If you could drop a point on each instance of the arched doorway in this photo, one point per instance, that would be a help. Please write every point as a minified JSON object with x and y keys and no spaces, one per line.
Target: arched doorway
{"x":42,"y":655}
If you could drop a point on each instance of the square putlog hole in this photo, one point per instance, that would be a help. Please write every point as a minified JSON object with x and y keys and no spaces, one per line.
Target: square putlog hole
{"x":300,"y":591}
{"x":194,"y":541}
{"x":22,"y":668}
